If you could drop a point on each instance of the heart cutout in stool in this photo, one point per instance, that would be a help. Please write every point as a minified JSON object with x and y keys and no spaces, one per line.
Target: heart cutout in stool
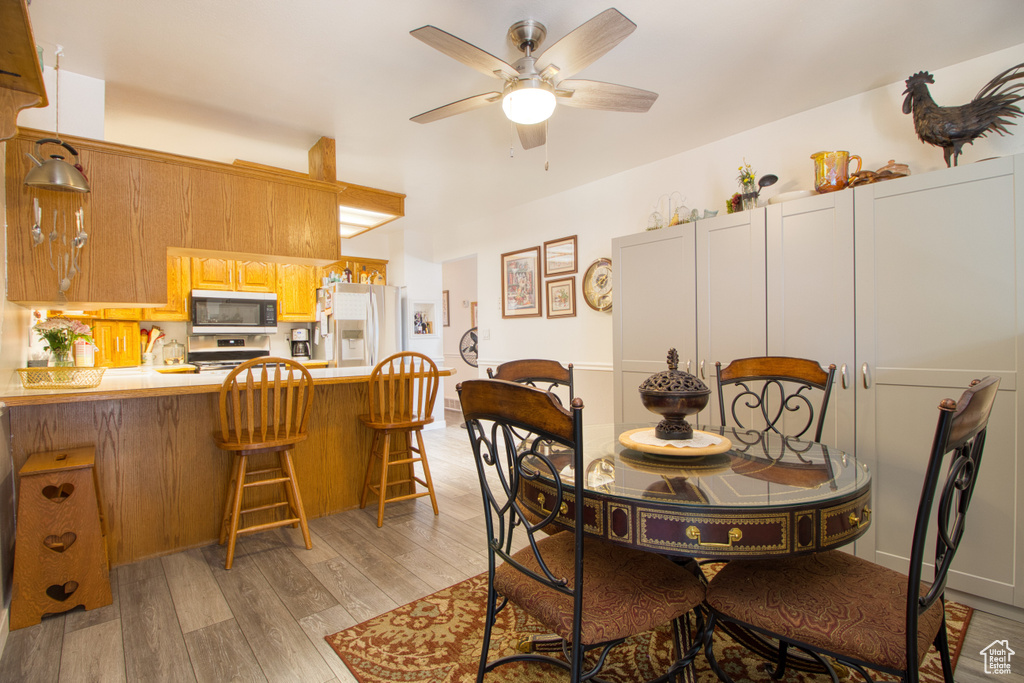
{"x":58,"y":494}
{"x":60,"y":543}
{"x":62,"y":592}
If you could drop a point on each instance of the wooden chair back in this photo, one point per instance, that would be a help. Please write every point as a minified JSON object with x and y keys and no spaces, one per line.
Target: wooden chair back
{"x":403,"y":388}
{"x":777,"y":388}
{"x":536,"y":372}
{"x":265,"y":402}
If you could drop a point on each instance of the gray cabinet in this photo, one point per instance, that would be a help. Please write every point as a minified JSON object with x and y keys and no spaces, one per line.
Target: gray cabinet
{"x":939,"y":303}
{"x":912,"y":287}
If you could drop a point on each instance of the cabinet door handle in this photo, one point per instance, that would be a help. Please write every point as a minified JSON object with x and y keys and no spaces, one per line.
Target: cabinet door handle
{"x":842,"y":373}
{"x":117,"y":344}
{"x":864,"y":375}
{"x":688,"y":363}
{"x":702,"y":376}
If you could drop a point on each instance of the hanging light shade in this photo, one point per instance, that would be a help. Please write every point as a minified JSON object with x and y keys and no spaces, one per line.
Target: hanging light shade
{"x":528,"y":101}
{"x":55,"y":174}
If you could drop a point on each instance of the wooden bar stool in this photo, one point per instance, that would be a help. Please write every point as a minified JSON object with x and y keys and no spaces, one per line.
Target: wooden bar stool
{"x":60,"y":555}
{"x":264,"y":410}
{"x":402,"y":392}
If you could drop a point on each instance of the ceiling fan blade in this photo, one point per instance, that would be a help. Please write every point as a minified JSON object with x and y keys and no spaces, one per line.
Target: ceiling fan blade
{"x":459,"y":107}
{"x":587,"y":43}
{"x":460,"y":50}
{"x":533,"y":135}
{"x":604,"y":96}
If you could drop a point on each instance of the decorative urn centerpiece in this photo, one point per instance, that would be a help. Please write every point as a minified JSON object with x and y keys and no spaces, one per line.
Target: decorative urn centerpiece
{"x":674,"y":395}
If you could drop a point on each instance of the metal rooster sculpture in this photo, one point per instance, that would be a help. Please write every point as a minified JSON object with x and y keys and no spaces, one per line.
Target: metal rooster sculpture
{"x":951,"y":127}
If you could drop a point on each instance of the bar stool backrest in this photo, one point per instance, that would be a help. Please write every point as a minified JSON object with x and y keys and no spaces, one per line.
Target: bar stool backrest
{"x":266,"y":401}
{"x":403,"y":388}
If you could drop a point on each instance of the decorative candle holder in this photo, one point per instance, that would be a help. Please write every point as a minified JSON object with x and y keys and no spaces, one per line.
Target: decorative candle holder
{"x":674,"y":395}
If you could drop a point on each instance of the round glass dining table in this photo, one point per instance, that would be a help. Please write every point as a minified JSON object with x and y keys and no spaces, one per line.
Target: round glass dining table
{"x":766,"y":496}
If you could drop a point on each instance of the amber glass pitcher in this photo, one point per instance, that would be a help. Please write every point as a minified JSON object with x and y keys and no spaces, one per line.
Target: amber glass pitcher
{"x":832,"y":170}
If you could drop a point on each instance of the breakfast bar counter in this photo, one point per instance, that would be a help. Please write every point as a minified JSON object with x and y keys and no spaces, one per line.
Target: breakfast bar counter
{"x":162,"y":480}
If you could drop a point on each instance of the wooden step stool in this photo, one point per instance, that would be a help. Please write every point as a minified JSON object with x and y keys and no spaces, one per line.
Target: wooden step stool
{"x":60,"y":551}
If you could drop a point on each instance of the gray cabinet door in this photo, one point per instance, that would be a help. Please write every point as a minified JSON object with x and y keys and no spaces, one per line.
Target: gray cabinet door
{"x":731,"y":307}
{"x":810,"y":296}
{"x":654,"y":310}
{"x":939,"y":303}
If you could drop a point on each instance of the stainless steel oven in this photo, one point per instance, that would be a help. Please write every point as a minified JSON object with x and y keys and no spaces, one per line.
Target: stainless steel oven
{"x":215,"y":312}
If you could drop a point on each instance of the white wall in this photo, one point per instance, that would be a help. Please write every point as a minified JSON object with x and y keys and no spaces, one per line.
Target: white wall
{"x":459,"y":279}
{"x":81,"y":105}
{"x":871,"y":125}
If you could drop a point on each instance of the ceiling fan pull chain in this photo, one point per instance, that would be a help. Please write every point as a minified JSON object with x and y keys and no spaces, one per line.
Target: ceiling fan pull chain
{"x":511,"y":140}
{"x":545,"y":145}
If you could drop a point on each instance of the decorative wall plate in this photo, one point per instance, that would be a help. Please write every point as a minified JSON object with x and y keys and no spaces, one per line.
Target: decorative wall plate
{"x":597,"y":285}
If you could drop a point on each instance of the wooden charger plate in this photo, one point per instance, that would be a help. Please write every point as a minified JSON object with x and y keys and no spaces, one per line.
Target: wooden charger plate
{"x":625,"y":438}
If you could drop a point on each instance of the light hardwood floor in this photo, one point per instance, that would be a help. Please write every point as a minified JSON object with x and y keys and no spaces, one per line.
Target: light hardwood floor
{"x":184,"y":618}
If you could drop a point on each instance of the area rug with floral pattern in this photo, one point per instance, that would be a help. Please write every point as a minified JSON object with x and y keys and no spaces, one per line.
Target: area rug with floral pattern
{"x":437,"y":639}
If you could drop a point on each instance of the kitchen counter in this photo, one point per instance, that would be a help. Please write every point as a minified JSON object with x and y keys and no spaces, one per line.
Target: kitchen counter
{"x":142,"y":381}
{"x":163,"y":481}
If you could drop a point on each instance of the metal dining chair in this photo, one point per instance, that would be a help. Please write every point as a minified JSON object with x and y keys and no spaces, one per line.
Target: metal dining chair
{"x":590,"y":593}
{"x":863,"y":615}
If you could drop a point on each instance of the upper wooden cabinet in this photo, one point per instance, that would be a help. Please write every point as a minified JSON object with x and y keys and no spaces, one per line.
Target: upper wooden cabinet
{"x":233,"y":276}
{"x":117,"y":343}
{"x":21,"y":77}
{"x":179,"y":285}
{"x":296,"y":293}
{"x":144,"y":202}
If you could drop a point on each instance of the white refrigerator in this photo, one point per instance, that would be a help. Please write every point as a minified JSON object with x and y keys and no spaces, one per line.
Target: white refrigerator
{"x":357,"y":325}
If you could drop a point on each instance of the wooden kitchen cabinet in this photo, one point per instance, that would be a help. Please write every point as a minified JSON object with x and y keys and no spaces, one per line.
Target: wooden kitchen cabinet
{"x":213,"y":273}
{"x":122,"y":313}
{"x":179,"y":285}
{"x":117,"y":343}
{"x":233,"y":276}
{"x":296,"y":292}
{"x":374,"y":270}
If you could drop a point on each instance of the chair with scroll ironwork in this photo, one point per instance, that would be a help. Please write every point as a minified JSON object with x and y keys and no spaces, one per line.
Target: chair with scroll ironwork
{"x":536,"y":372}
{"x":265,"y":405}
{"x":403,"y":388}
{"x":778,"y":390}
{"x":866,"y":616}
{"x":592,"y":594}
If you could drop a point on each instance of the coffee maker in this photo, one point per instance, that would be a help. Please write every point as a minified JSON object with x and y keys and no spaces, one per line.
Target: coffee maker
{"x":300,"y":343}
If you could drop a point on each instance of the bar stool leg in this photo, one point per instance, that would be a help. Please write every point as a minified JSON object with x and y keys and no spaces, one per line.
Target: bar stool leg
{"x":369,"y":469}
{"x":426,"y":470}
{"x":236,"y":506}
{"x":225,"y":521}
{"x":295,"y":497}
{"x":384,"y":463}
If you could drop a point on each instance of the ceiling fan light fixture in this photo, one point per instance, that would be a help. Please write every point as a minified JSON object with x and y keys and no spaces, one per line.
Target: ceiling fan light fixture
{"x":528,"y":101}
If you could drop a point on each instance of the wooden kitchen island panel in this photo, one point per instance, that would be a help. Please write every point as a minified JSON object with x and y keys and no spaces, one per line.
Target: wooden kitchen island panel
{"x":163,"y":482}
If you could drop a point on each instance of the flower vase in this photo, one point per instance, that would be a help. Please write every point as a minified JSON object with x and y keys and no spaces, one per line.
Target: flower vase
{"x":61,"y":359}
{"x":749,"y":195}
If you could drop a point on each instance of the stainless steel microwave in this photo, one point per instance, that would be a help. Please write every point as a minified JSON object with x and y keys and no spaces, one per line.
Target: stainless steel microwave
{"x":216,"y":312}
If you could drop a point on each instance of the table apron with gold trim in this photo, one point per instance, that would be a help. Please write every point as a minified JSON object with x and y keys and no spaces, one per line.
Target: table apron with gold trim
{"x":710,"y":531}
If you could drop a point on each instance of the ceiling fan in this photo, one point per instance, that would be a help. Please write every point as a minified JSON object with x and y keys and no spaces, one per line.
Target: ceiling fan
{"x":533,"y":84}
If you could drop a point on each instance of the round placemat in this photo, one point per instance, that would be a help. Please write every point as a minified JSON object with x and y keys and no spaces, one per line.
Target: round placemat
{"x":632,"y":439}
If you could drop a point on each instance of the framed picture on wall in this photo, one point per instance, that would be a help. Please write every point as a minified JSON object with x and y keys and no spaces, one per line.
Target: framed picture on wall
{"x":560,"y":256}
{"x":562,"y":297}
{"x":446,"y":321}
{"x":520,"y":284}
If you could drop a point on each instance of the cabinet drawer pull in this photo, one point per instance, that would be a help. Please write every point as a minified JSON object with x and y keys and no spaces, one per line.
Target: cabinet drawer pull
{"x":842,"y":372}
{"x":563,"y":509}
{"x":735,"y":535}
{"x":863,"y":520}
{"x":864,"y":375}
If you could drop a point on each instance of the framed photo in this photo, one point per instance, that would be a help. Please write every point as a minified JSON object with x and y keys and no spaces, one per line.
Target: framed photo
{"x":472,"y":314}
{"x":562,"y":298}
{"x":444,"y":309}
{"x":520,"y":284}
{"x":560,"y":256}
{"x":423,"y":322}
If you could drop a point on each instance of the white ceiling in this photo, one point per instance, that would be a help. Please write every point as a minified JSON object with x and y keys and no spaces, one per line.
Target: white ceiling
{"x":288,"y":71}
